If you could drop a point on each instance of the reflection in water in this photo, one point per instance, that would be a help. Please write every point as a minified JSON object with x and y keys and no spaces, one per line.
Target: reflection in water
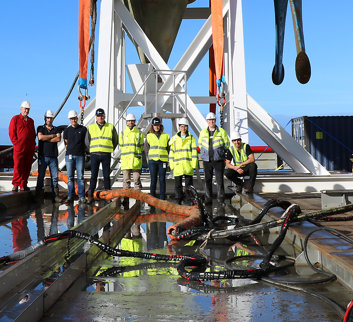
{"x":80,"y":213}
{"x":80,"y":208}
{"x":20,"y":234}
{"x":54,"y":219}
{"x":144,"y":290}
{"x":71,"y":216}
{"x":40,"y":224}
{"x":156,"y":235}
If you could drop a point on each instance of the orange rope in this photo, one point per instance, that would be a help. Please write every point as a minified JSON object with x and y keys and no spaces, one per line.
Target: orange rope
{"x":191,"y":214}
{"x":193,"y":219}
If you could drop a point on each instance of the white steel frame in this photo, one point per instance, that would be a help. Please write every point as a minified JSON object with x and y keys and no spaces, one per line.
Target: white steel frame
{"x":240,"y":111}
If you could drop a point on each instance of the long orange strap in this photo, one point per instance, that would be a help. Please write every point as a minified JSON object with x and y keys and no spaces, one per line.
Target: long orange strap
{"x":83,"y":40}
{"x":218,"y":37}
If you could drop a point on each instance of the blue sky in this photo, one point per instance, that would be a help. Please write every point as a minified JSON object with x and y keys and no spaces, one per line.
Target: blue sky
{"x":39,"y":59}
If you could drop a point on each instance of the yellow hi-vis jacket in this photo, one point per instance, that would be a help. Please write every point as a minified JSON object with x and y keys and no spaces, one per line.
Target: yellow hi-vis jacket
{"x":183,"y":155}
{"x":101,"y":139}
{"x":239,"y":157}
{"x":158,"y":146}
{"x":220,"y":144}
{"x":132,"y":245}
{"x":131,"y":146}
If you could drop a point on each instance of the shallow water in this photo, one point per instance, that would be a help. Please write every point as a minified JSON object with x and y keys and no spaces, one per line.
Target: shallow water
{"x":151,"y":291}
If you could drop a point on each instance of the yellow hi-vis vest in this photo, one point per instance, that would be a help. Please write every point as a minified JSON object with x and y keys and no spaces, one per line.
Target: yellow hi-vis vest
{"x":183,"y":155}
{"x":101,"y":139}
{"x":220,"y":143}
{"x":131,"y":146}
{"x":158,"y":146}
{"x":239,"y":157}
{"x":132,"y":245}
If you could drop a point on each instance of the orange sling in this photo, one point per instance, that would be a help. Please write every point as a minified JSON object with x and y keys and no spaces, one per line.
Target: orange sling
{"x":218,"y":38}
{"x":83,"y":40}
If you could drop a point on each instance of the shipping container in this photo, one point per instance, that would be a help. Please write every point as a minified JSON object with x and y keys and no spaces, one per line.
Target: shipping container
{"x":329,"y":139}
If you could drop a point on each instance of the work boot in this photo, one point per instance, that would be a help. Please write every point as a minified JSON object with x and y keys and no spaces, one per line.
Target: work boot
{"x":56,"y":195}
{"x":14,"y":188}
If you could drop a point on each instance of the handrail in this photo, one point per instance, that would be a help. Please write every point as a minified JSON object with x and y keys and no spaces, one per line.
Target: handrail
{"x":133,"y":97}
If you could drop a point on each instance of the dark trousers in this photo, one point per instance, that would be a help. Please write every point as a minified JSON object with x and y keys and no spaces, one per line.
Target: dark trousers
{"x":96,"y":160}
{"x":179,"y":186}
{"x":157,"y":168}
{"x":218,"y":167}
{"x":249,"y":170}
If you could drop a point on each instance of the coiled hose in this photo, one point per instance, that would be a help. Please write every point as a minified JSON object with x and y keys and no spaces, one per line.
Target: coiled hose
{"x":209,"y":223}
{"x":264,"y":268}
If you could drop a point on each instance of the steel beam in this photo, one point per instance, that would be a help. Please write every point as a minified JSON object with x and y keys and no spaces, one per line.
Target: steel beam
{"x":235,"y":112}
{"x":300,"y":160}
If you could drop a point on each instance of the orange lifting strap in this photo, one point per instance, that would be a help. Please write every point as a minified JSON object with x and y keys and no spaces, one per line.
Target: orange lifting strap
{"x":218,"y":38}
{"x":83,"y":40}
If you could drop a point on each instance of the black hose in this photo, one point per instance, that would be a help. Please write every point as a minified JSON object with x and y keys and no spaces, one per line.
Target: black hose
{"x":104,"y":247}
{"x":289,"y":215}
{"x":240,"y":231}
{"x":346,"y":218}
{"x":329,"y":276}
{"x":255,"y":272}
{"x":268,"y":205}
{"x":21,"y":254}
{"x":115,"y":271}
{"x":205,"y":216}
{"x":67,"y":96}
{"x":275,"y":258}
{"x":227,"y":219}
{"x":191,"y":233}
{"x":305,"y":246}
{"x":212,"y":223}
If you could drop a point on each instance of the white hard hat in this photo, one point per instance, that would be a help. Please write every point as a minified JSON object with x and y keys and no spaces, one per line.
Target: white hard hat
{"x":49,"y":113}
{"x":130,"y":117}
{"x":26,"y":104}
{"x":72,"y":114}
{"x":235,"y":135}
{"x":183,"y":121}
{"x":211,"y":116}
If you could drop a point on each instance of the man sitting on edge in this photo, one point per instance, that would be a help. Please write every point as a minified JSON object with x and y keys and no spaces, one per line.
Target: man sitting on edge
{"x":240,"y":161}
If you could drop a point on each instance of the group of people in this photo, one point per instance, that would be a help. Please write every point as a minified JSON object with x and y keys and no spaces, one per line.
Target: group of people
{"x":101,"y":138}
{"x":218,"y":157}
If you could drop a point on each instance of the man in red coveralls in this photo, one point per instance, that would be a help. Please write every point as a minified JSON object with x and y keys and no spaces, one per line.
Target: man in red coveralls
{"x":23,"y":137}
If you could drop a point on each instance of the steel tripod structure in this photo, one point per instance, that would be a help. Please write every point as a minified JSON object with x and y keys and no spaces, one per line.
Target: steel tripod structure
{"x":240,"y":111}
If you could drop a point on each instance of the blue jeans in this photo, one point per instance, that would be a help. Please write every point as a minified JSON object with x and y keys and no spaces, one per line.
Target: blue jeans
{"x":157,"y":168}
{"x":96,"y":160}
{"x":76,"y":162}
{"x":43,"y":162}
